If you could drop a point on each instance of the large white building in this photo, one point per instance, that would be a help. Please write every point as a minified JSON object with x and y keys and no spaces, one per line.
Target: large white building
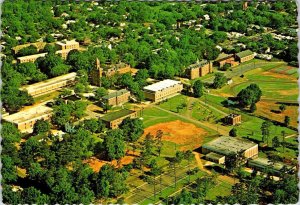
{"x":162,"y":90}
{"x":25,"y":120}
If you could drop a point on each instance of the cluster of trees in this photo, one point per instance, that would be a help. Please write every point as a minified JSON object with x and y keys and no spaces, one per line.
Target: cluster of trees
{"x":55,"y":172}
{"x":249,"y":96}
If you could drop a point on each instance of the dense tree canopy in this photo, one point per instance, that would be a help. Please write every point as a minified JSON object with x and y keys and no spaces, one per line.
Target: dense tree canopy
{"x":249,"y":95}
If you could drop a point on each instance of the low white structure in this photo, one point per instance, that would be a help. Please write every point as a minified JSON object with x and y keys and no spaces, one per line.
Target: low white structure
{"x":50,"y":85}
{"x":30,"y":58}
{"x":162,"y":90}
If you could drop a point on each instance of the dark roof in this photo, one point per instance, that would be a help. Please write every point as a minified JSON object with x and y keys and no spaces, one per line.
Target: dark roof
{"x":115,"y":94}
{"x":116,"y":115}
{"x":223,"y":56}
{"x":198,"y":64}
{"x":244,"y":53}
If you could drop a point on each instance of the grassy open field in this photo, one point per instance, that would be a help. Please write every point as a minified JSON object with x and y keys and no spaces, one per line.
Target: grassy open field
{"x":278,"y":83}
{"x":249,"y":123}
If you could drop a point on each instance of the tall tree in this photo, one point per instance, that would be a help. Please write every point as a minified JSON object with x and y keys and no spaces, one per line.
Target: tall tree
{"x":198,"y":88}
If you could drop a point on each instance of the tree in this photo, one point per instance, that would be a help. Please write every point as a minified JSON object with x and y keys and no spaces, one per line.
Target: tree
{"x":58,"y":70}
{"x":233,"y":132}
{"x":184,"y":197}
{"x":79,"y":108}
{"x":49,"y":39}
{"x":91,"y":125}
{"x":41,"y":126}
{"x":62,"y":114}
{"x":147,"y":146}
{"x":219,"y":80}
{"x":29,"y":50}
{"x":265,"y":130}
{"x":132,"y":129}
{"x":114,"y":145}
{"x":79,"y":88}
{"x":159,"y":143}
{"x":100,"y":92}
{"x":249,"y":95}
{"x":282,"y":107}
{"x":252,"y":107}
{"x":275,"y":142}
{"x":287,"y":121}
{"x":198,"y":88}
{"x":35,"y":196}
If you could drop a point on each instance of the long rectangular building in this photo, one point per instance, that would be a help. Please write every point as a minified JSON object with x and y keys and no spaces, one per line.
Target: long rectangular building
{"x":114,"y":119}
{"x":199,"y":69}
{"x":162,"y":90}
{"x":30,"y":58}
{"x":117,"y":97}
{"x":25,"y":120}
{"x":50,"y":85}
{"x":224,"y":146}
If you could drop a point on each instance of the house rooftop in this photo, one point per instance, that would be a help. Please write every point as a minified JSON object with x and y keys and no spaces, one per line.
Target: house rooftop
{"x":116,"y":115}
{"x":226,"y":145}
{"x":215,"y":156}
{"x":28,"y":114}
{"x":161,"y":85}
{"x":223,"y":56}
{"x":115,"y":94}
{"x":244,"y":53}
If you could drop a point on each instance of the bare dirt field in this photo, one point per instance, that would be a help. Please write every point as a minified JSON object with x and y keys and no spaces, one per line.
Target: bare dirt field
{"x":96,"y":163}
{"x":268,"y":109}
{"x":185,"y":134}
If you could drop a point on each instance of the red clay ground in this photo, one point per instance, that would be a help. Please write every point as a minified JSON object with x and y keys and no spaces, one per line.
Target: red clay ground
{"x":96,"y":163}
{"x":185,"y":134}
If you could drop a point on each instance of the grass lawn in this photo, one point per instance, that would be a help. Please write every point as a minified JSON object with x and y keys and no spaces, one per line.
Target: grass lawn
{"x":221,"y":189}
{"x":152,"y":116}
{"x":46,"y":97}
{"x":204,"y":113}
{"x":169,"y":191}
{"x":175,"y":102}
{"x":249,"y":123}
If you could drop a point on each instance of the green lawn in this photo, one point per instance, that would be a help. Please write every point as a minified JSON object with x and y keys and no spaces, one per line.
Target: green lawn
{"x":204,"y":113}
{"x":152,"y":116}
{"x":175,"y":103}
{"x":221,"y":189}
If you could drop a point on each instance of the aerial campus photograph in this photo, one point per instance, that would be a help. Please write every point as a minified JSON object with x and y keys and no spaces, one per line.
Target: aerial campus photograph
{"x":153,"y":102}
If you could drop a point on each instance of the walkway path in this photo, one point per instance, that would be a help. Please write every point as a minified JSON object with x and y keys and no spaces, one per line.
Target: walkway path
{"x":217,"y":128}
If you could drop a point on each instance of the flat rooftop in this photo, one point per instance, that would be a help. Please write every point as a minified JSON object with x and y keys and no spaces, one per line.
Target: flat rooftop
{"x":32,"y":56}
{"x":244,"y":53}
{"x":40,"y":85}
{"x":66,"y":42}
{"x":198,"y":64}
{"x":265,"y":162}
{"x":116,"y":115}
{"x":28,"y":114}
{"x":162,"y":85}
{"x":233,"y":115}
{"x":227,"y":145}
{"x":115,"y":94}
